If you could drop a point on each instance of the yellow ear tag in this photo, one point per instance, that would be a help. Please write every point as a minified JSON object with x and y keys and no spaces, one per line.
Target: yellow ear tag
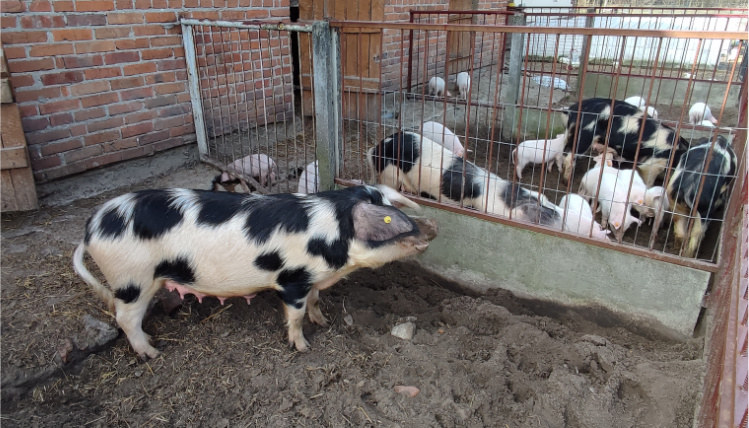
{"x":387,"y":219}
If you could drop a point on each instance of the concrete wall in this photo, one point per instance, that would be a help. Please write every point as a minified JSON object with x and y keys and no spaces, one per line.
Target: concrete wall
{"x":483,"y":254}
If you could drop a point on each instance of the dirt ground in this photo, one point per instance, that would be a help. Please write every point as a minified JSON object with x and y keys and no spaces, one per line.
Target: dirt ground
{"x":478,"y":360}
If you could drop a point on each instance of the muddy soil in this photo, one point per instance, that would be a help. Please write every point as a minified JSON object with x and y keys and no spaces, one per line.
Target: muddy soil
{"x":478,"y":360}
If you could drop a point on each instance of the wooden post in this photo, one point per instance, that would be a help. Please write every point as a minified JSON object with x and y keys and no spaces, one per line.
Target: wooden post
{"x":513,"y":79}
{"x":327,"y":100}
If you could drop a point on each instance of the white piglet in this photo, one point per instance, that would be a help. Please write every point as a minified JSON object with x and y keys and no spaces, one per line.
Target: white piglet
{"x":309,"y":180}
{"x":437,"y":87}
{"x":579,"y":217}
{"x":640,"y":103}
{"x":464,"y":83}
{"x":259,"y":166}
{"x":656,"y":200}
{"x":442,"y":135}
{"x":612,"y":200}
{"x":700,"y":112}
{"x":532,"y":152}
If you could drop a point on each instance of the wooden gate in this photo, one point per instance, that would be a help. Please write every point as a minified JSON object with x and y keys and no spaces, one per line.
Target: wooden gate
{"x":459,"y":43}
{"x":18,"y":192}
{"x":360,"y":49}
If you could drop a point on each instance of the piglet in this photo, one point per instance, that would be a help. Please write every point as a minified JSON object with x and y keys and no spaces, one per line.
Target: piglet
{"x":580,"y":217}
{"x":656,"y":200}
{"x":442,"y":135}
{"x":464,"y":83}
{"x":309,"y":180}
{"x":437,"y":87}
{"x":640,"y":103}
{"x":260,"y":166}
{"x":612,"y":200}
{"x":699,"y":112}
{"x":532,"y":151}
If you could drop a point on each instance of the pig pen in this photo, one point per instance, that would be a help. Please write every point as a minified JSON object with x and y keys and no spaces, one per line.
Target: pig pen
{"x":477,"y":359}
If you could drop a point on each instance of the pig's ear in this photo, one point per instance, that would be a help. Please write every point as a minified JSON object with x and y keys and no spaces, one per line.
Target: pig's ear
{"x":379,"y":223}
{"x":395,"y":198}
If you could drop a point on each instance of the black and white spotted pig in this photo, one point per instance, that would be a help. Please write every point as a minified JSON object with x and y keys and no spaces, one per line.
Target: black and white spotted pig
{"x":425,"y":167}
{"x":235,"y":245}
{"x":595,"y":113}
{"x":685,"y":183}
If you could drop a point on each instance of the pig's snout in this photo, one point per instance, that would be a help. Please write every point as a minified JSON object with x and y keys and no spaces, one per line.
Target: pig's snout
{"x":428,"y":229}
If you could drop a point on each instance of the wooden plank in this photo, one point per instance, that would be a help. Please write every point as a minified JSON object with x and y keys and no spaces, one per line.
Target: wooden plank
{"x":12,"y":130}
{"x":365,"y":8}
{"x":339,"y":9}
{"x":13,"y":157}
{"x":7,"y":193}
{"x":24,"y":188}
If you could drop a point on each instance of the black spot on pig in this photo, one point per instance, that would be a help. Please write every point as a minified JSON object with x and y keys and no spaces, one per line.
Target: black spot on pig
{"x":269,"y":261}
{"x":286,"y":212}
{"x":128,"y":294}
{"x":178,"y":270}
{"x":452,"y":180}
{"x":87,"y":235}
{"x":295,"y":284}
{"x":400,"y":149}
{"x":216,"y":208}
{"x":335,"y":254}
{"x":519,"y":198}
{"x":111,"y":224}
{"x":153,"y":214}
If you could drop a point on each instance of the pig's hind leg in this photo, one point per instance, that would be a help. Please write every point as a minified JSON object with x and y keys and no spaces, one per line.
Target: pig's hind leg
{"x":131,"y":303}
{"x":313,"y":308}
{"x":294,"y":296}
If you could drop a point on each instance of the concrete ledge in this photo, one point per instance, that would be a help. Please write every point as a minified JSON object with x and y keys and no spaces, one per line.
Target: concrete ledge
{"x":484,"y":255}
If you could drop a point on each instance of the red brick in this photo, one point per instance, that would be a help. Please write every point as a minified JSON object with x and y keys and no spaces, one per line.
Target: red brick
{"x":33,"y":124}
{"x":126,"y":44}
{"x":121,"y":144}
{"x":81,"y":154}
{"x":59,"y":106}
{"x":142,"y":4}
{"x":152,"y":17}
{"x":89,"y":113}
{"x":72,"y":34}
{"x":101,"y":137}
{"x":134,"y":94}
{"x":40,"y":6}
{"x":124,"y":18}
{"x":12,"y":6}
{"x":31,"y":65}
{"x":38,"y":95}
{"x":127,"y":83}
{"x":120,"y":57}
{"x":142,"y":68}
{"x":279,"y":12}
{"x":171,"y":64}
{"x":187,"y":128}
{"x":7,"y":22}
{"x":90,"y":88}
{"x":148,"y":30}
{"x":125,"y":107}
{"x":111,"y":123}
{"x":192,"y":3}
{"x":170,"y":88}
{"x":93,"y":5}
{"x":61,"y":146}
{"x":161,"y":101}
{"x":29,"y":110}
{"x":61,"y":119}
{"x":183,"y":98}
{"x":153,"y":137}
{"x":55,"y":173}
{"x":21,"y":80}
{"x":141,"y":116}
{"x":162,"y":4}
{"x":152,"y":79}
{"x":168,"y":144}
{"x":174,"y":110}
{"x":83,"y":61}
{"x":102,"y":73}
{"x":167,"y":123}
{"x":149,"y":54}
{"x":51,"y":49}
{"x":86,"y":20}
{"x":42,"y":22}
{"x":78,"y":129}
{"x":64,"y":6}
{"x":123,"y":4}
{"x":137,"y":129}
{"x":97,"y":46}
{"x":46,"y":163}
{"x":112,"y":33}
{"x":166,"y":41}
{"x":62,"y":78}
{"x":47,"y":136}
{"x":101,"y":99}
{"x":23,"y":37}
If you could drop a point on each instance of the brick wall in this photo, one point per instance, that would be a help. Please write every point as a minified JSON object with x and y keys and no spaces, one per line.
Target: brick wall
{"x":101,"y":81}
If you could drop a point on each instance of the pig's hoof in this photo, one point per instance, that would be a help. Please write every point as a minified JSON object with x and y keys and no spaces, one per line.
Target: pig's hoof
{"x":316,"y":316}
{"x":300,"y":344}
{"x":149,"y":353}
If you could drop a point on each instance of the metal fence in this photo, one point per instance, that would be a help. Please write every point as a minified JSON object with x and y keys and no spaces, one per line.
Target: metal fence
{"x":525,"y":101}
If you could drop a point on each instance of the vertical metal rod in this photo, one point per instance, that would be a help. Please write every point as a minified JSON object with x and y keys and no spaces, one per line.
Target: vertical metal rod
{"x":410,"y":49}
{"x":193,"y":82}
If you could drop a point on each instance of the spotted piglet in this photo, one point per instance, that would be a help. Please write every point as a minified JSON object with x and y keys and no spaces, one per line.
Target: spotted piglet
{"x":235,"y":245}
